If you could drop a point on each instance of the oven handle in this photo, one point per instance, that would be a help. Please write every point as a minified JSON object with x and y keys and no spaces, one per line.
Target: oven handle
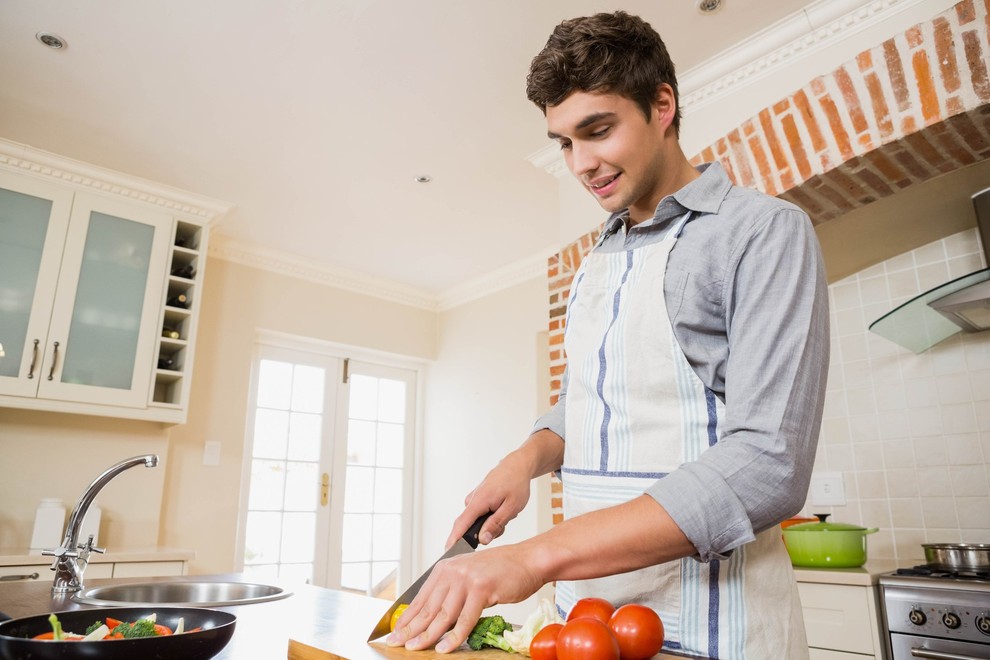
{"x":939,"y":655}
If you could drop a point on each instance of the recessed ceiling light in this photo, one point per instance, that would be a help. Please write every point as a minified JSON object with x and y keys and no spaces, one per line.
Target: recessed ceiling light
{"x":423,"y":178}
{"x":51,"y":40}
{"x":709,"y":6}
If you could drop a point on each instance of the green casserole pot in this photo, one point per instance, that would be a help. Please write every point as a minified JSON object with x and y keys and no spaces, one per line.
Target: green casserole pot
{"x":827,"y":545}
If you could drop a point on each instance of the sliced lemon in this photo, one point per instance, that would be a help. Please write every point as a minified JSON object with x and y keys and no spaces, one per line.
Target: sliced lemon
{"x":395,"y":616}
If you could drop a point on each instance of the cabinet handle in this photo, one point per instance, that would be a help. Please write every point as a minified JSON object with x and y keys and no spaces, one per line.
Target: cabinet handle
{"x":917,"y":652}
{"x":11,"y":578}
{"x":34,"y":359}
{"x":51,"y":374}
{"x":325,"y":489}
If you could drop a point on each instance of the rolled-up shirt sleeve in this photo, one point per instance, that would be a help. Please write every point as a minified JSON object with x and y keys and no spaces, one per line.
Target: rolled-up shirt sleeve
{"x":553,"y":419}
{"x":775,"y":304}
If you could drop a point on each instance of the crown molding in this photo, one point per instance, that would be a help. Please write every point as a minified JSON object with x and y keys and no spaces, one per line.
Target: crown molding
{"x":292,"y":265}
{"x":786,"y":41}
{"x":515,"y":273}
{"x":28,"y":160}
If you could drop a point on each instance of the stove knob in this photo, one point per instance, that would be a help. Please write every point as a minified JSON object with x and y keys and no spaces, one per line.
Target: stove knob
{"x":951,"y":620}
{"x":917,"y":617}
{"x":983,"y":624}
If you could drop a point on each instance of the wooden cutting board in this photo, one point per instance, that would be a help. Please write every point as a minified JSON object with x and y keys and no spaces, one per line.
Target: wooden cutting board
{"x":300,"y":651}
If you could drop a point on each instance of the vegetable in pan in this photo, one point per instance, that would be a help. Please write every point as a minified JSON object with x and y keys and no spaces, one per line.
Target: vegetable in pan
{"x":113,"y":629}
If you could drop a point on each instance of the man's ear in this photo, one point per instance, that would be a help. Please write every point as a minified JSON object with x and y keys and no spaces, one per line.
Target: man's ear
{"x":664,"y":106}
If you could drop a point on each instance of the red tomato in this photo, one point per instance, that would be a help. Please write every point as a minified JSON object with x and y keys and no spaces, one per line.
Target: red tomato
{"x":544,"y":644}
{"x":586,"y":638}
{"x":638,"y":630}
{"x":596,"y":608}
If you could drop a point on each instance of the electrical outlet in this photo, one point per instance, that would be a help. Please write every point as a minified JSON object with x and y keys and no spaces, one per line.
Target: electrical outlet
{"x":827,"y":489}
{"x":211,"y":453}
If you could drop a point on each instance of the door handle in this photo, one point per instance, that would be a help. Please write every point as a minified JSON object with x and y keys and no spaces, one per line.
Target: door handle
{"x":51,"y":374}
{"x":34,"y":359}
{"x":324,"y":489}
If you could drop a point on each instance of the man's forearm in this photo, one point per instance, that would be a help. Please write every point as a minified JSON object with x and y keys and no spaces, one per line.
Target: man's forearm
{"x":613,"y":540}
{"x":540,"y":453}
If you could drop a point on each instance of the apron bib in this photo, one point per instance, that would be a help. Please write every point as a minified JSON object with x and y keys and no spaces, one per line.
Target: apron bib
{"x":635,"y":412}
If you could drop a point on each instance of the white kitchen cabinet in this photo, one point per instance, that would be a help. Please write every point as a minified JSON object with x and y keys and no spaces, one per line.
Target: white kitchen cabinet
{"x":44,"y":572}
{"x":841,"y":621}
{"x":93,"y":270}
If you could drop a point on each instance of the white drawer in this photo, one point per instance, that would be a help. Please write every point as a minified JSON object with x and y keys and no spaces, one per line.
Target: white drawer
{"x":839,"y":618}
{"x":132,"y":569}
{"x":45,"y":574}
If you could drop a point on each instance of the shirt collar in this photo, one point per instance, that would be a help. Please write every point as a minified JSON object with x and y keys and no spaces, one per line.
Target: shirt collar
{"x":702,"y":195}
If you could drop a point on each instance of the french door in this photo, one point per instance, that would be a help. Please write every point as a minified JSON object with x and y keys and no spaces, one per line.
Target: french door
{"x":329,"y":461}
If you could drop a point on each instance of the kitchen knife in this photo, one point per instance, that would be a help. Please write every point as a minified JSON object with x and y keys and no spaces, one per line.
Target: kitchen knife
{"x":465,"y":544}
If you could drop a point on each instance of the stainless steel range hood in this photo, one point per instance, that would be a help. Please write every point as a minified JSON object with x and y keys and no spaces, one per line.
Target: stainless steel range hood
{"x":962,"y":305}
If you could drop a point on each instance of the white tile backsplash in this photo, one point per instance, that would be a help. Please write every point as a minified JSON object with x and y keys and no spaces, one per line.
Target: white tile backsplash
{"x":910,"y":433}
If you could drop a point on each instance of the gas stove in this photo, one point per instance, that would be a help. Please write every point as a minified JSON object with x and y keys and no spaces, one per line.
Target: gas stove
{"x":937,"y":614}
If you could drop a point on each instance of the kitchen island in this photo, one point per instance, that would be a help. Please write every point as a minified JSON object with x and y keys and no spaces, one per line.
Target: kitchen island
{"x":317,"y":618}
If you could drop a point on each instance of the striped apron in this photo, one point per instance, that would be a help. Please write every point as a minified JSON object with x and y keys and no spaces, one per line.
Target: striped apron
{"x":635,"y":412}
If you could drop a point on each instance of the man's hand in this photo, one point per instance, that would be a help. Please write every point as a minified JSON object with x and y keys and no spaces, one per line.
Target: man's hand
{"x":457,"y":592}
{"x":505,"y":489}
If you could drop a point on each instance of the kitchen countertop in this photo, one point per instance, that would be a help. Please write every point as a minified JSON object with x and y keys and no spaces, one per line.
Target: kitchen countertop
{"x":24,"y":557}
{"x":865,"y":576}
{"x":325,"y":619}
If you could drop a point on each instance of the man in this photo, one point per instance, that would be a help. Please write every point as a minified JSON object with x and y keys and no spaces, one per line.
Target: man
{"x":697,"y":347}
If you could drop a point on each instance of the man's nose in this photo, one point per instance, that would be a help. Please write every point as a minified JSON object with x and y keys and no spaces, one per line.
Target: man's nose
{"x":582,"y":160}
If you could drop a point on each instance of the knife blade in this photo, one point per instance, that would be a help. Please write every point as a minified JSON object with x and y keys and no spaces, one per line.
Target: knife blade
{"x":465,"y":544}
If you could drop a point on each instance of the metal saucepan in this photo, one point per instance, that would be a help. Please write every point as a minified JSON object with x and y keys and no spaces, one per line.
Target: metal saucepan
{"x":958,"y":556}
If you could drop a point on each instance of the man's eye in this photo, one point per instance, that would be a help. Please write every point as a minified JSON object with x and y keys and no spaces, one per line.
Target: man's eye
{"x":602,"y":132}
{"x":564,"y":146}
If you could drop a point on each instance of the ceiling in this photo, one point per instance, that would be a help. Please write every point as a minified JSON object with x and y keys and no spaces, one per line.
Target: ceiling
{"x":313,"y":117}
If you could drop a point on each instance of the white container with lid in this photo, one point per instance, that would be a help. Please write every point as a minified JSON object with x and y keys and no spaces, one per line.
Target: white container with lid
{"x":49,"y":524}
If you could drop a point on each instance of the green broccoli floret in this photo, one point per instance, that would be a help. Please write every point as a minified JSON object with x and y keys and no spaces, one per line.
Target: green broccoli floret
{"x":93,"y":626}
{"x":140,"y":628}
{"x":488,"y":632}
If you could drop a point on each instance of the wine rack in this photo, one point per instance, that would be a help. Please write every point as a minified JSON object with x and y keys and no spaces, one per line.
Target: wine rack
{"x":180,"y":310}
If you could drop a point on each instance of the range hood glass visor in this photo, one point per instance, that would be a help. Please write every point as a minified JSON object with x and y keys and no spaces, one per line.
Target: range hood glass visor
{"x":917,"y":325}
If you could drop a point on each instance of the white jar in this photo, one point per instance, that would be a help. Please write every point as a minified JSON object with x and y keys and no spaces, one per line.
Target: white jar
{"x":91,"y":524}
{"x":49,"y":525}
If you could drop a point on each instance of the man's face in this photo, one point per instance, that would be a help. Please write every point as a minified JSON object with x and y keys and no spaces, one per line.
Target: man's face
{"x":611,"y":149}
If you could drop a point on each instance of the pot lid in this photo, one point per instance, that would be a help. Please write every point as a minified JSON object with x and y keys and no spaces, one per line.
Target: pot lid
{"x":822,"y":526}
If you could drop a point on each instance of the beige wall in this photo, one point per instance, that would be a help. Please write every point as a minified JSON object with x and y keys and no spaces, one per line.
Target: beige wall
{"x":484,"y":391}
{"x":200,"y":504}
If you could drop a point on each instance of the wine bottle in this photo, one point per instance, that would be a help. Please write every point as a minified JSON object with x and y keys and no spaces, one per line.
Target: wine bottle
{"x":181,"y":300}
{"x":166,"y":362}
{"x":188,"y":271}
{"x":170,"y":333}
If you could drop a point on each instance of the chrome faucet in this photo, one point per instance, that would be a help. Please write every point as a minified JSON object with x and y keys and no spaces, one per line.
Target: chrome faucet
{"x":71,"y":558}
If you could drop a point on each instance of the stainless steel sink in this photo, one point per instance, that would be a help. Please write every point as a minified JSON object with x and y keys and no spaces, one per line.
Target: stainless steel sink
{"x":184,"y":593}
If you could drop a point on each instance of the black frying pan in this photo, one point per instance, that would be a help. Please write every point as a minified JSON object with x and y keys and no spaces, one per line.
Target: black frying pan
{"x":218,"y":627}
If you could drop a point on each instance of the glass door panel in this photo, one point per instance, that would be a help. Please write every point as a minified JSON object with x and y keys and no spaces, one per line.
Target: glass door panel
{"x":101,"y":346}
{"x":33,"y":221}
{"x":101,"y":341}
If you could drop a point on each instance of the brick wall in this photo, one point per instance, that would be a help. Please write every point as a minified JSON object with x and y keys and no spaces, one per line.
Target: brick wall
{"x":909,"y":109}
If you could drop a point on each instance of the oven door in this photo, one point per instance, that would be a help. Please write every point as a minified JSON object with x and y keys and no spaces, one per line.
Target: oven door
{"x":909,"y":647}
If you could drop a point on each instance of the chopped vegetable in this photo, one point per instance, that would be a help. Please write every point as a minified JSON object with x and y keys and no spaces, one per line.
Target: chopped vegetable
{"x":56,"y":628}
{"x":488,"y":632}
{"x":544,"y":615}
{"x":114,"y":629}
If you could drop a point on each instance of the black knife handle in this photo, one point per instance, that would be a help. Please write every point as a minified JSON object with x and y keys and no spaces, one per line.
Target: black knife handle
{"x":471,"y":536}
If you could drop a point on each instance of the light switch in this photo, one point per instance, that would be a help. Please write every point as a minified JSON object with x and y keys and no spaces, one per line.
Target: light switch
{"x":211,"y":453}
{"x":827,"y":489}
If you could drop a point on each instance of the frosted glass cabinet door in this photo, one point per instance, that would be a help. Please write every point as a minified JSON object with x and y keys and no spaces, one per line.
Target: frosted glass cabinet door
{"x":102,"y":336}
{"x":33,"y":221}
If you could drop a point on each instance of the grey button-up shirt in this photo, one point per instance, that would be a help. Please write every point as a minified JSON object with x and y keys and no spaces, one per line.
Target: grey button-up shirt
{"x":746,"y":293}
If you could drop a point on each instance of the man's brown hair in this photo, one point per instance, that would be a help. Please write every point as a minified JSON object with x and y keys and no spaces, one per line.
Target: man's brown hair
{"x":606,"y":53}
